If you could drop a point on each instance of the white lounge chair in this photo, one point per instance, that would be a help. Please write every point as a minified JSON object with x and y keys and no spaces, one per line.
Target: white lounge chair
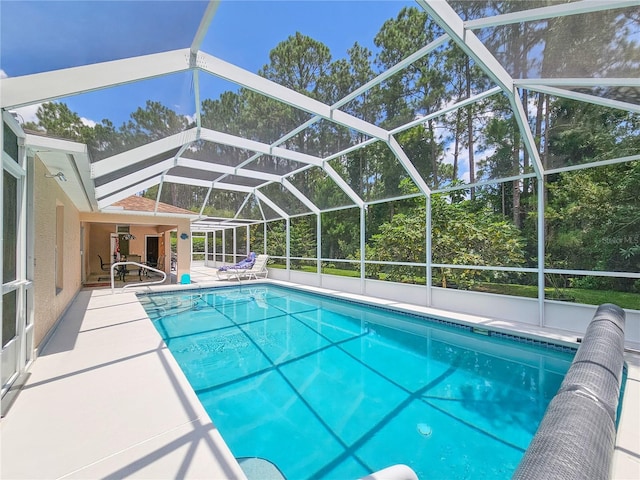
{"x":226,"y":272}
{"x":259,"y":269}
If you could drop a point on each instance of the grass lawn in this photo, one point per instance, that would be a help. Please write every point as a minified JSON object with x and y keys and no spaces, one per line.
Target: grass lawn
{"x":577,"y":295}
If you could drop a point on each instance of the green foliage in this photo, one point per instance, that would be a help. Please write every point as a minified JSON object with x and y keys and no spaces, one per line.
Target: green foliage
{"x":592,"y":217}
{"x":460,"y":236}
{"x":303,"y":236}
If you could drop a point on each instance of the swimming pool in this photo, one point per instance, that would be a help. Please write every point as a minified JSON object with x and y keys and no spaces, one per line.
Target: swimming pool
{"x":331,"y":389}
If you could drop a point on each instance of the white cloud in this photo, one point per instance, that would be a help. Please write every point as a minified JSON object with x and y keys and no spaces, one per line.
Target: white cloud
{"x":190,"y":118}
{"x":88,"y":122}
{"x":3,"y":74}
{"x":28,"y":113}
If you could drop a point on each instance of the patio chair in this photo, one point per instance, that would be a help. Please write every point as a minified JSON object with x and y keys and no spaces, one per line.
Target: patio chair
{"x":105,"y":267}
{"x":223,"y":272}
{"x":158,"y":264}
{"x":259,"y":269}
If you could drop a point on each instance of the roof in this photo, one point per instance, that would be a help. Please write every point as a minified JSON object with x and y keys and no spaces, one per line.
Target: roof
{"x":142,"y":204}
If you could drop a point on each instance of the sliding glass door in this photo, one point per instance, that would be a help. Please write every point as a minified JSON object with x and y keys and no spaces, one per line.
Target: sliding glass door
{"x":17,"y":322}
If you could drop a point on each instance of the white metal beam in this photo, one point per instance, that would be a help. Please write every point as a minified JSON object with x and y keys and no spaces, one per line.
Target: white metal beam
{"x":455,"y":106}
{"x":573,"y":8}
{"x":393,"y":70}
{"x":105,"y":202}
{"x":39,"y":143}
{"x":261,"y":85}
{"x":244,"y":202}
{"x":47,"y":86}
{"x":273,"y":206}
{"x":203,"y":28}
{"x":296,"y":156}
{"x":195,"y":182}
{"x":246,"y":144}
{"x":133,"y":178}
{"x":529,"y":142}
{"x":232,"y":188}
{"x":598,"y":163}
{"x":269,"y":177}
{"x":355,"y":198}
{"x":233,"y":141}
{"x":577,"y":82}
{"x":408,"y":166}
{"x":352,"y":148}
{"x":300,"y":196}
{"x":139,"y":154}
{"x":206,"y":200}
{"x":216,"y":167}
{"x":584,"y":97}
{"x":449,"y":20}
{"x":202,"y":165}
{"x":380,"y":78}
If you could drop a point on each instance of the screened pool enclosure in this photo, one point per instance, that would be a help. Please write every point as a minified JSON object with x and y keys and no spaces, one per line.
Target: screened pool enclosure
{"x":488,"y":146}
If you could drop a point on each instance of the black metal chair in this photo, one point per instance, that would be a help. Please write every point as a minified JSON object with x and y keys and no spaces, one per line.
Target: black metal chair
{"x":105,"y":267}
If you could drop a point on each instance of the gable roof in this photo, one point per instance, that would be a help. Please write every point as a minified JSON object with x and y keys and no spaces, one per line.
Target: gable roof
{"x":142,"y":204}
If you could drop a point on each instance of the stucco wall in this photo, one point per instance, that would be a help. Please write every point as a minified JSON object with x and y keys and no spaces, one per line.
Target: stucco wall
{"x":99,"y":242}
{"x":49,"y":302}
{"x":102,"y":224}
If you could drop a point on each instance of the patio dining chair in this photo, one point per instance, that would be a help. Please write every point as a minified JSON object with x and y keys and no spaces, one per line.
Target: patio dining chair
{"x":105,"y":267}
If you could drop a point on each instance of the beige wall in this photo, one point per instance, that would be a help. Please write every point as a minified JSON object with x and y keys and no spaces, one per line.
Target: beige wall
{"x":49,"y":302}
{"x":49,"y":199}
{"x":99,"y":242}
{"x":102,"y":224}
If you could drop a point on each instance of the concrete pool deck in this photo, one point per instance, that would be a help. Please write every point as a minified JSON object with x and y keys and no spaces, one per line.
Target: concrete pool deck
{"x":105,"y":399}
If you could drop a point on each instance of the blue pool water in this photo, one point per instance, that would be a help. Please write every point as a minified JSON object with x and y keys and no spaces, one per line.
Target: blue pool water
{"x":336,"y":390}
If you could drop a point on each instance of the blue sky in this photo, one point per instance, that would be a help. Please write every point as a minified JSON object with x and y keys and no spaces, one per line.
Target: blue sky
{"x":69,"y":33}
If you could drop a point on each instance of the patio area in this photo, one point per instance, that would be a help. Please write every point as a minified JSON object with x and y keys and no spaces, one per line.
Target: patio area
{"x":105,"y":399}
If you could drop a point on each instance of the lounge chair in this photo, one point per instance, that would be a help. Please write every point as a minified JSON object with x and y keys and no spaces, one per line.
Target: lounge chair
{"x":259,"y":269}
{"x":247,"y":263}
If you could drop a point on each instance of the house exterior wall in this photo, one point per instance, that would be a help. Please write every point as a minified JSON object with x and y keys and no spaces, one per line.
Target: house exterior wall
{"x":50,"y":301}
{"x":103,"y":224}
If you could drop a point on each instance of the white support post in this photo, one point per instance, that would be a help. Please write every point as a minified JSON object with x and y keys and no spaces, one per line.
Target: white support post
{"x":429,"y":259}
{"x":362,"y":249}
{"x":224,"y":246}
{"x":235,"y":243}
{"x":264,"y":240}
{"x":206,"y":249}
{"x":215,"y":248}
{"x":248,"y":239}
{"x":541,"y":239}
{"x":288,"y":250}
{"x":319,"y":247}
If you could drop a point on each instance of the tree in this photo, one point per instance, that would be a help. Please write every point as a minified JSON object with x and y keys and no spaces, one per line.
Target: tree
{"x":56,"y":119}
{"x":459,"y":236}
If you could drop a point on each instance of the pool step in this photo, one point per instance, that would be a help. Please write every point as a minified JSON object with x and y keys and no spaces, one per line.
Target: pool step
{"x":256,"y":468}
